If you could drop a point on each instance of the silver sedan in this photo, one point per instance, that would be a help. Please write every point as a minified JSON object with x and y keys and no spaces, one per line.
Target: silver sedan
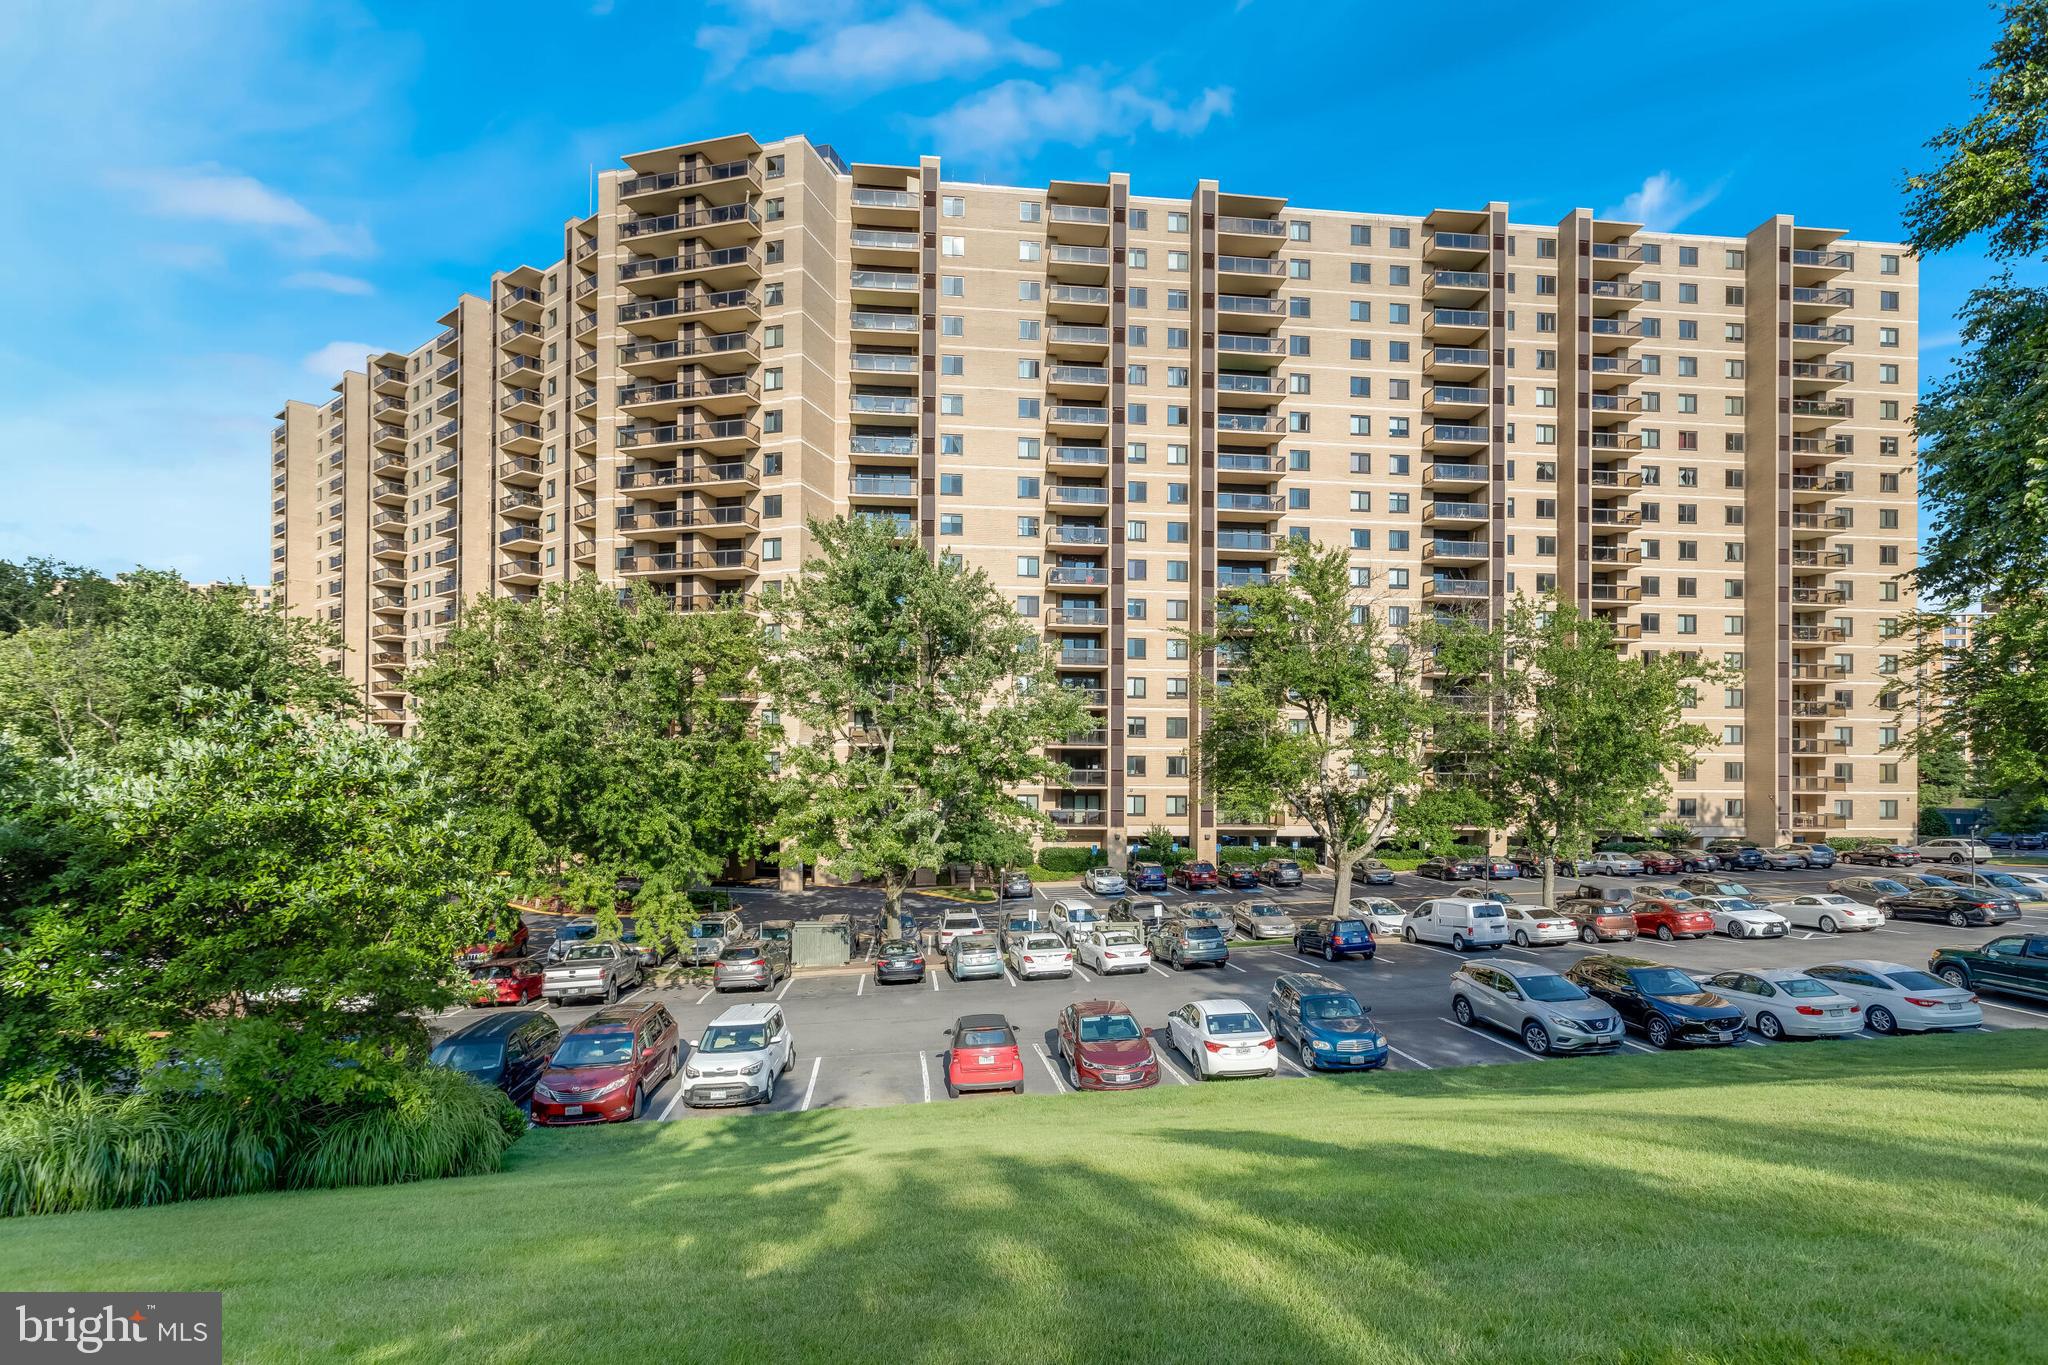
{"x":1783,"y":1002}
{"x":1901,"y":999}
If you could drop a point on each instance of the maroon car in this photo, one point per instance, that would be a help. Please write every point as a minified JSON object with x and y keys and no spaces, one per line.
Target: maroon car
{"x":1199,"y":876}
{"x":1660,"y":862}
{"x":606,"y":1068}
{"x":1104,"y":1047}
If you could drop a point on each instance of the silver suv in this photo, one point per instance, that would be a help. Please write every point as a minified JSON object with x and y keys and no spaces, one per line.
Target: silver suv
{"x":1548,"y":1013}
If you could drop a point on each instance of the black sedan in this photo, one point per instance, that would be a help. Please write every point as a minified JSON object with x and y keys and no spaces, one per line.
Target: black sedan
{"x":1451,"y":869}
{"x":1959,"y":906}
{"x":1882,"y":855}
{"x":1016,"y":887}
{"x":1734,"y":856}
{"x":1241,"y":877}
{"x":1280,"y":872}
{"x":899,"y":960}
{"x":1666,"y":1006}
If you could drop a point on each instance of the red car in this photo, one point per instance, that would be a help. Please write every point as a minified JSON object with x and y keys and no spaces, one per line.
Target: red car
{"x":512,"y":981}
{"x":983,"y":1055}
{"x":606,"y":1068}
{"x":1659,"y":862}
{"x":1196,"y":877}
{"x":497,"y":945}
{"x":1671,"y":919}
{"x":1104,"y":1048}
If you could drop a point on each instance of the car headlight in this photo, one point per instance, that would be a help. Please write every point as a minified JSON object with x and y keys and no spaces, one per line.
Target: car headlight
{"x":1564,"y":1022}
{"x":545,"y":1093}
{"x":692,"y":1072}
{"x":751,"y":1069}
{"x":612,"y":1088}
{"x":1319,"y":1045}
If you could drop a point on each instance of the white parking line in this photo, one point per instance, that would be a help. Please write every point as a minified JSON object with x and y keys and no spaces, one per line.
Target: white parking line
{"x":933,"y":977}
{"x":1050,"y":1069}
{"x":811,"y":1086}
{"x":1406,"y":1058}
{"x":2013,"y":1009}
{"x":1159,"y":969}
{"x":861,"y":985}
{"x":1292,"y":1067}
{"x":1172,"y":1068}
{"x":1007,"y":977}
{"x":1633,"y":1046}
{"x":785,"y":988}
{"x":924,"y":1073}
{"x":1235,"y":968}
{"x":706,"y":996}
{"x":1477,"y":1032}
{"x":673,"y":1101}
{"x":1084,"y":976}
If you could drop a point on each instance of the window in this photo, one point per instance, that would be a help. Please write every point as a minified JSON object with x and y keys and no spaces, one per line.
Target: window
{"x":952,"y":246}
{"x":1888,"y":374}
{"x":951,"y":524}
{"x":1029,"y":211}
{"x":1177,"y":260}
{"x":1888,"y":336}
{"x":953,"y":286}
{"x":1027,"y":566}
{"x":1888,"y":300}
{"x":952,"y":405}
{"x":952,"y":206}
{"x":953,"y":325}
{"x":1028,"y":249}
{"x":951,"y":485}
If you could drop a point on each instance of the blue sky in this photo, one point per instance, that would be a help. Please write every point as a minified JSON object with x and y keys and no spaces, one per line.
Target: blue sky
{"x":220,"y":204}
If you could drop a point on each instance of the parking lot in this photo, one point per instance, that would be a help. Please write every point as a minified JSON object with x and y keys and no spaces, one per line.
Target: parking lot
{"x":862,"y":1044}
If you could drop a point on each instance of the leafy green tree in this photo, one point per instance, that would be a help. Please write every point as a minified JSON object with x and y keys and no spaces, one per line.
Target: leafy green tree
{"x":1159,"y":846}
{"x":598,"y":740}
{"x":1565,"y":735}
{"x":1944,"y":771}
{"x":1324,"y":710}
{"x":123,"y":679}
{"x":921,"y":703}
{"x":45,"y":592}
{"x":265,"y":915}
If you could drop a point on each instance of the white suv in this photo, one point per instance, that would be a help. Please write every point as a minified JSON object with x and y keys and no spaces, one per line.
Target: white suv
{"x":739,"y":1057}
{"x":1953,"y":851}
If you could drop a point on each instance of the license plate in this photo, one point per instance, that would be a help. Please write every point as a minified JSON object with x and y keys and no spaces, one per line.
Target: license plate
{"x":1955,"y":1004}
{"x":1719,"y":1035}
{"x":571,"y":1110}
{"x":986,"y":1059}
{"x":1832,"y":1013}
{"x":1118,"y":1077}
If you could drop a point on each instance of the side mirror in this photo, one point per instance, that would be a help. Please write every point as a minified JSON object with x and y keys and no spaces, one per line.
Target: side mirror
{"x":949,"y":1033}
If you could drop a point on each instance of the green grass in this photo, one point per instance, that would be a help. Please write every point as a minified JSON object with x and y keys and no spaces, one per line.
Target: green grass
{"x":1820,"y":1202}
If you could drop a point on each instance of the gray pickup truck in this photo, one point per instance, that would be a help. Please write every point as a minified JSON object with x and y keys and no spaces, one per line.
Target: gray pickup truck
{"x":707,"y":938}
{"x":592,"y":969}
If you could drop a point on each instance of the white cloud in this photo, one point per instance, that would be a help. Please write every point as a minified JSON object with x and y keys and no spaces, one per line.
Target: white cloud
{"x":211,"y":194}
{"x":330,"y":360}
{"x":911,"y":46}
{"x":1012,"y":120}
{"x":1662,"y":203}
{"x":329,"y":282}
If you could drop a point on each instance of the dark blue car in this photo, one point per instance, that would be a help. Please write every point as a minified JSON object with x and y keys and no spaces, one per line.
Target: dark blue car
{"x":1747,"y":857}
{"x":1332,"y":938}
{"x":1326,"y":1024}
{"x":1146,"y":877}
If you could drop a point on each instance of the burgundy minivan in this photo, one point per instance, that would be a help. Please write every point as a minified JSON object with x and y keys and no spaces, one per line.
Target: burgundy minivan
{"x":607,"y":1067}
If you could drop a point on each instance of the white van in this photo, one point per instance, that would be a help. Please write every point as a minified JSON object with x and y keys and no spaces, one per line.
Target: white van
{"x":1459,"y":922}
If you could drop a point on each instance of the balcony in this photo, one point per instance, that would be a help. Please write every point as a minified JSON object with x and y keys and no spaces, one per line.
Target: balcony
{"x":1230,"y":462}
{"x":1455,"y":475}
{"x":882,"y":285}
{"x":521,"y":338}
{"x":1093,"y":457}
{"x":1084,"y":300}
{"x":1077,"y":617}
{"x":1615,"y":479}
{"x":1258,"y":385}
{"x":1824,"y":447}
{"x":1077,"y":376}
{"x":1613,"y":592}
{"x":1457,"y":248}
{"x":1087,"y":777}
{"x":387,"y":519}
{"x":722,"y":351}
{"x":1093,"y":495}
{"x":892,"y":486}
{"x":1240,"y":232}
{"x":663,"y":318}
{"x":1818,"y":597}
{"x":1821,"y":483}
{"x":1820,"y":521}
{"x":871,"y":443}
{"x":1830,"y":261}
{"x":1239,"y":425}
{"x":884,"y":362}
{"x":519,"y":438}
{"x":727,"y":392}
{"x":1608,"y":334}
{"x":1456,"y":362}
{"x":735,"y":473}
{"x":388,"y":491}
{"x":667,"y":521}
{"x":1082,"y":535}
{"x":1253,"y":306}
{"x":1251,"y":267}
{"x":1076,"y":415}
{"x":1237,"y":542}
{"x":1817,"y":635}
{"x":1446,"y":512}
{"x":1086,"y":215}
{"x":1454,"y":436}
{"x":1822,"y":298}
{"x":388,"y":547}
{"x":1239,"y":345}
{"x":722,"y":181}
{"x":1077,"y":576}
{"x":1455,"y":286}
{"x":1254,"y":504}
{"x":889,"y":240}
{"x":1810,"y":334}
{"x":1823,"y":371}
{"x":1818,"y":820}
{"x":893,"y":323}
{"x":1077,"y":819}
{"x":1455,"y":325}
{"x":1456,"y":589}
{"x":1243,"y":578}
{"x":522,"y":470}
{"x":523,"y":569}
{"x":1084,"y":263}
{"x":1614,"y":516}
{"x":1613,"y":295}
{"x":1804,"y":747}
{"x":886,"y":200}
{"x":519,"y":502}
{"x":1081,"y":656}
{"x":1614,"y":554}
{"x":1823,"y":409}
{"x":726,"y":436}
{"x":1446,"y":551}
{"x":882,"y":405}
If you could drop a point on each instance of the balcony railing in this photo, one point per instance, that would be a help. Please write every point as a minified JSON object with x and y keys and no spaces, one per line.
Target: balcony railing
{"x":868,"y":320}
{"x":1827,"y":260}
{"x":1077,"y":493}
{"x":882,"y":445}
{"x":870,"y":197}
{"x":884,"y":485}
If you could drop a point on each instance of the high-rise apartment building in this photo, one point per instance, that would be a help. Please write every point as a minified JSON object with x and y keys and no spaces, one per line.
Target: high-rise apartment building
{"x":1118,"y":404}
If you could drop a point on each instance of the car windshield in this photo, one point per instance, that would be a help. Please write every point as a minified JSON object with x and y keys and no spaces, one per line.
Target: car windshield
{"x":1889,"y":887}
{"x":1080,"y":914}
{"x":594,"y":1049}
{"x":1664,"y":981}
{"x":500,"y":971}
{"x":1235,"y":1024}
{"x":465,"y":1056}
{"x":1043,"y":943}
{"x":1550,"y":989}
{"x":984,"y":1037}
{"x":1202,"y":869}
{"x":978,"y":943}
{"x":1109,"y":1028}
{"x":899,"y":948}
{"x":590,"y":952}
{"x":1333,"y":1009}
{"x":1119,"y":940}
{"x":570,"y":933}
{"x":740,"y":953}
{"x":702,"y":930}
{"x":1915,"y":981}
{"x":1348,"y":926}
{"x":1939,"y":883}
{"x":2011,"y":883}
{"x":1735,"y":905}
{"x":963,"y":921}
{"x":1802,"y":986}
{"x":1202,"y":933}
{"x":734,"y":1038}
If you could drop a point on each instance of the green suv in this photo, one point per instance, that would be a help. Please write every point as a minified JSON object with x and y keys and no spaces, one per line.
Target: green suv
{"x":2016,"y":964}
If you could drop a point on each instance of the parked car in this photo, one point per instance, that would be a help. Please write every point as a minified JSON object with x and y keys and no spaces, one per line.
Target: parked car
{"x":974,"y":957}
{"x":1074,"y":919}
{"x":1384,"y":916}
{"x":1478,"y":892}
{"x":1104,"y":1048}
{"x":1196,"y":876}
{"x":1223,"y":1038}
{"x":2035,"y":882}
{"x":1716,"y":886}
{"x":900,"y":959}
{"x":1103,"y":881}
{"x":739,"y":1057}
{"x":1016,"y":886}
{"x":1449,"y":869}
{"x":1660,"y":862}
{"x":1328,"y":1027}
{"x":2038,"y":840}
{"x":567,"y":936}
{"x":1882,"y":855}
{"x":1333,"y":937}
{"x":1545,"y":1010}
{"x":1820,"y":855}
{"x":1612,"y":865}
{"x":1667,"y":1006}
{"x":509,"y":981}
{"x":1115,"y":950}
{"x":1498,"y":869}
{"x":1147,"y":877}
{"x":1786,"y":858}
{"x":1957,"y":906}
{"x":1190,"y":943}
{"x":509,"y":1051}
{"x":1696,"y":860}
{"x":1654,"y":891}
{"x":592,"y":969}
{"x":1784,"y":1002}
{"x":1146,"y":914}
{"x":1259,"y":920}
{"x":2016,"y":964}
{"x":1241,"y":877}
{"x":1373,"y":872}
{"x":1602,"y":915}
{"x":1669,"y":920}
{"x":1737,"y":857}
{"x":982,"y":1054}
{"x":497,"y":943}
{"x":1532,"y":925}
{"x":707,"y":936}
{"x":1999,"y":841}
{"x":609,"y":1066}
{"x":1039,"y":954}
{"x":751,"y":966}
{"x":957,"y":922}
{"x":1829,"y":911}
{"x":2019,"y":890}
{"x":629,"y":934}
{"x":1531,"y":865}
{"x":1952,"y":850}
{"x":1868,"y":889}
{"x":1209,"y":913}
{"x":1461,"y":922}
{"x":1279,"y":872}
{"x":1901,"y":999}
{"x":1740,"y":918}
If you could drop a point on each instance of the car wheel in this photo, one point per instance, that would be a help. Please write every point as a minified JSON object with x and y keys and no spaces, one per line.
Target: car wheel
{"x":1461,"y":1010}
{"x":1955,"y":857}
{"x":1827,"y":924}
{"x":1955,"y":976}
{"x":1073,"y":1073}
{"x":639,"y":1101}
{"x":1588,"y":935}
{"x":1536,"y":1038}
{"x":1521,"y":938}
{"x":1958,"y":920}
{"x":789,"y":1062}
{"x":1658,"y":1029}
{"x":1408,"y":934}
{"x":1664,"y":933}
{"x":1767,"y":1024}
{"x":768,"y":1091}
{"x":1879,"y":1020}
{"x":611,"y":991}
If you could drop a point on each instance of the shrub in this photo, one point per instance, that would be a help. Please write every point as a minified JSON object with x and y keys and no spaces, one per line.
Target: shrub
{"x":68,"y":1148}
{"x":1067,"y":860}
{"x":1235,"y":853}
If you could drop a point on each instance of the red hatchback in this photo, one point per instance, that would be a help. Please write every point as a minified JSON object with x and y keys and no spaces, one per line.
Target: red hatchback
{"x":1196,"y":877}
{"x":512,"y":982}
{"x":607,"y":1067}
{"x":1671,"y":919}
{"x":983,"y":1055}
{"x":1104,"y":1048}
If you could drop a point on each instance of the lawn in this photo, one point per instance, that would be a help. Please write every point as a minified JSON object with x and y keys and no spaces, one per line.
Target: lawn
{"x":1818,"y":1202}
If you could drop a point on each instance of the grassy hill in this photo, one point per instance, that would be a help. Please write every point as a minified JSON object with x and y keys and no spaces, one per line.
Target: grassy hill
{"x":1850,"y":1201}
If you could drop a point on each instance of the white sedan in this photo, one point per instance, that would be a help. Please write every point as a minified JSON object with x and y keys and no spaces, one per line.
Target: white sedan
{"x":1532,"y":924}
{"x":1115,"y":950}
{"x":1739,"y":918}
{"x":1897,"y":998}
{"x":1828,"y":912}
{"x":1039,"y":954}
{"x":1784,"y":1002}
{"x":1223,"y":1038}
{"x":1386,"y":917}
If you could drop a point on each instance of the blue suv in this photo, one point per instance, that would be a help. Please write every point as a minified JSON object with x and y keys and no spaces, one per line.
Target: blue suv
{"x":1326,"y":1024}
{"x":1147,"y":877}
{"x":1334,"y":937}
